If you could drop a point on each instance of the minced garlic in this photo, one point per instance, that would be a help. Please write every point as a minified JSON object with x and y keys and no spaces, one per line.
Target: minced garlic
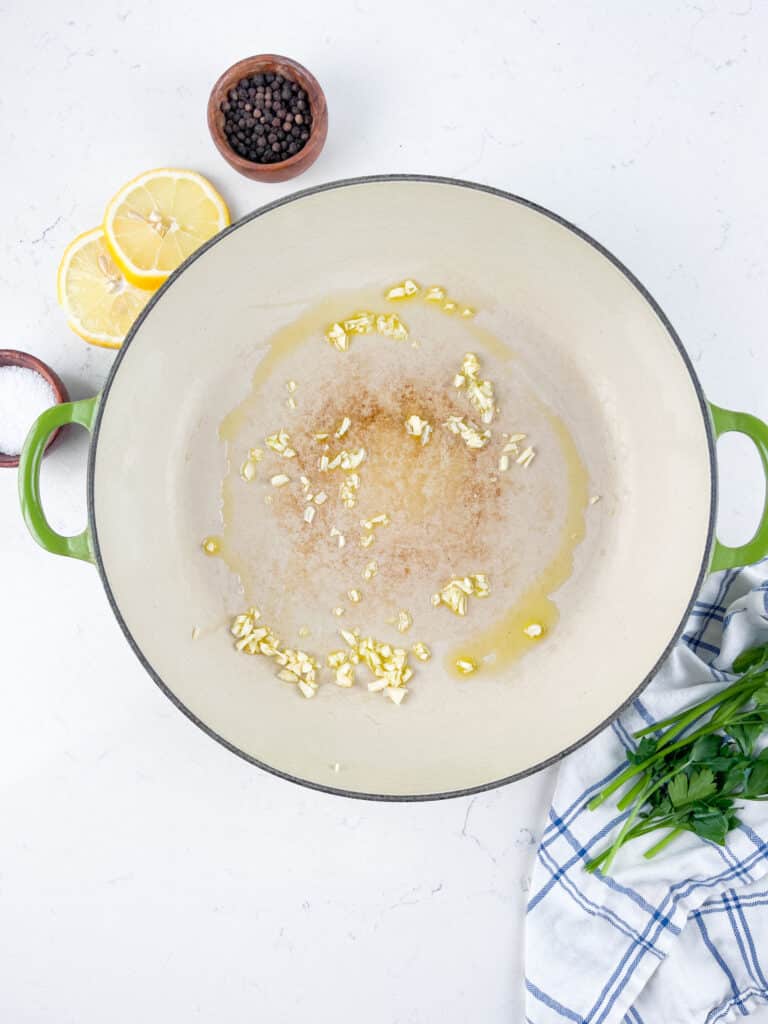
{"x":279,"y":442}
{"x":381,"y":519}
{"x":466,"y":666}
{"x":478,"y":391}
{"x":391,"y":326}
{"x":415,"y":426}
{"x":344,"y":459}
{"x":512,"y":444}
{"x":338,"y":337}
{"x":350,"y":460}
{"x":404,"y":621}
{"x":359,"y":323}
{"x":354,"y":596}
{"x":457,"y":591}
{"x":370,"y":570}
{"x":388,"y":665}
{"x":279,"y":480}
{"x":341,"y":540}
{"x":248,"y":470}
{"x":526,"y":457}
{"x":435,"y":293}
{"x":396,"y":694}
{"x":345,"y":674}
{"x":421,"y":651}
{"x":470,"y":434}
{"x":405,"y":290}
{"x":348,"y":490}
{"x":295,"y":666}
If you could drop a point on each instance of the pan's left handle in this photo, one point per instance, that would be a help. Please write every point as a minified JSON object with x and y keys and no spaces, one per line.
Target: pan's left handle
{"x":725,"y":421}
{"x":84,"y":413}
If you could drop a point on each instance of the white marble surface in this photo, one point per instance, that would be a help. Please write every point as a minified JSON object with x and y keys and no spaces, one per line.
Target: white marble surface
{"x":145,"y":873}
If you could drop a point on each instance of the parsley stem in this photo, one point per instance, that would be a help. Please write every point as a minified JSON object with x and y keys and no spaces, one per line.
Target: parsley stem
{"x":691,"y":714}
{"x":629,"y":826}
{"x":629,"y":796}
{"x":658,"y":847}
{"x":739,"y":694}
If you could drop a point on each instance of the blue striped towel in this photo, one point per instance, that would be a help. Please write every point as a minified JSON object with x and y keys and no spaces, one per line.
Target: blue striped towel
{"x":683,"y":938}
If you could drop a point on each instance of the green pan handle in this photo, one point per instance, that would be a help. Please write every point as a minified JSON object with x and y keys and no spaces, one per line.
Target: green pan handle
{"x":84,"y":413}
{"x":724,"y":422}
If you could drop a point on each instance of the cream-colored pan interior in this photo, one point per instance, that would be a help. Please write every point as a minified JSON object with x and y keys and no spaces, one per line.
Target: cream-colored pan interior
{"x":600,"y":359}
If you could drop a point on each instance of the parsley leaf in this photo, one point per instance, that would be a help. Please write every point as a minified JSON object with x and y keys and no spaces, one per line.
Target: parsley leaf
{"x":646,"y":748}
{"x":748,"y":659}
{"x":709,"y":823}
{"x":745,"y":734}
{"x":706,"y":747}
{"x":683,"y":789}
{"x":757,"y":781}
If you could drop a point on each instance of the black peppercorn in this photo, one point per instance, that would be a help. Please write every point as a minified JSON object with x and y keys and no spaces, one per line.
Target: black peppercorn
{"x":267,"y":118}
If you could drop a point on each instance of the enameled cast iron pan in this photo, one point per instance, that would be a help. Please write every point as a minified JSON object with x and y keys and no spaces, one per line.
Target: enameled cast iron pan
{"x":617,"y":373}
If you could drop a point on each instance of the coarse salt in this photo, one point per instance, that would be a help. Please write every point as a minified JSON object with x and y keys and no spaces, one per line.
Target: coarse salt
{"x":24,"y":394}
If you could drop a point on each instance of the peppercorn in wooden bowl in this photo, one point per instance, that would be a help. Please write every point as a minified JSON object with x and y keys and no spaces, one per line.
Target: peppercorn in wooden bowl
{"x":273,"y":126}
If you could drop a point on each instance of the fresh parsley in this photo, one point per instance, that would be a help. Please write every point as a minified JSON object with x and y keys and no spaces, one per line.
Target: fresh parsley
{"x":688,"y":771}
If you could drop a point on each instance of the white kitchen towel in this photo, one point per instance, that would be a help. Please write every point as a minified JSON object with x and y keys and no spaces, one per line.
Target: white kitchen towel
{"x":682,"y":938}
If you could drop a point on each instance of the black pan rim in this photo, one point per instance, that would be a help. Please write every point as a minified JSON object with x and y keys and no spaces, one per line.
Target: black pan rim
{"x":433,"y":180}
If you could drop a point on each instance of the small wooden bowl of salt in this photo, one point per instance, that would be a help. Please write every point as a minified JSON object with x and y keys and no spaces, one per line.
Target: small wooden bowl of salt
{"x":27,"y":388}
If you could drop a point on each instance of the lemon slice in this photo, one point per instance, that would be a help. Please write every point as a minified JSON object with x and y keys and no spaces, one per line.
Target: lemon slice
{"x":158,"y":219}
{"x":100,"y":304}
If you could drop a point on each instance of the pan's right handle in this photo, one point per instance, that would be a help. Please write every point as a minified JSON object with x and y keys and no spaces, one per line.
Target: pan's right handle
{"x":726,"y":421}
{"x":84,"y":413}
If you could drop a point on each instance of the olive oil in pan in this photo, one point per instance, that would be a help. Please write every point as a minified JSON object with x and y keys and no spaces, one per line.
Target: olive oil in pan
{"x":307,"y":329}
{"x":505,"y":641}
{"x":492,"y":647}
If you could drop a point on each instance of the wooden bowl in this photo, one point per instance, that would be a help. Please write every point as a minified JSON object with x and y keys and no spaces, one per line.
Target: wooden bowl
{"x":269,"y":63}
{"x":10,"y":357}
